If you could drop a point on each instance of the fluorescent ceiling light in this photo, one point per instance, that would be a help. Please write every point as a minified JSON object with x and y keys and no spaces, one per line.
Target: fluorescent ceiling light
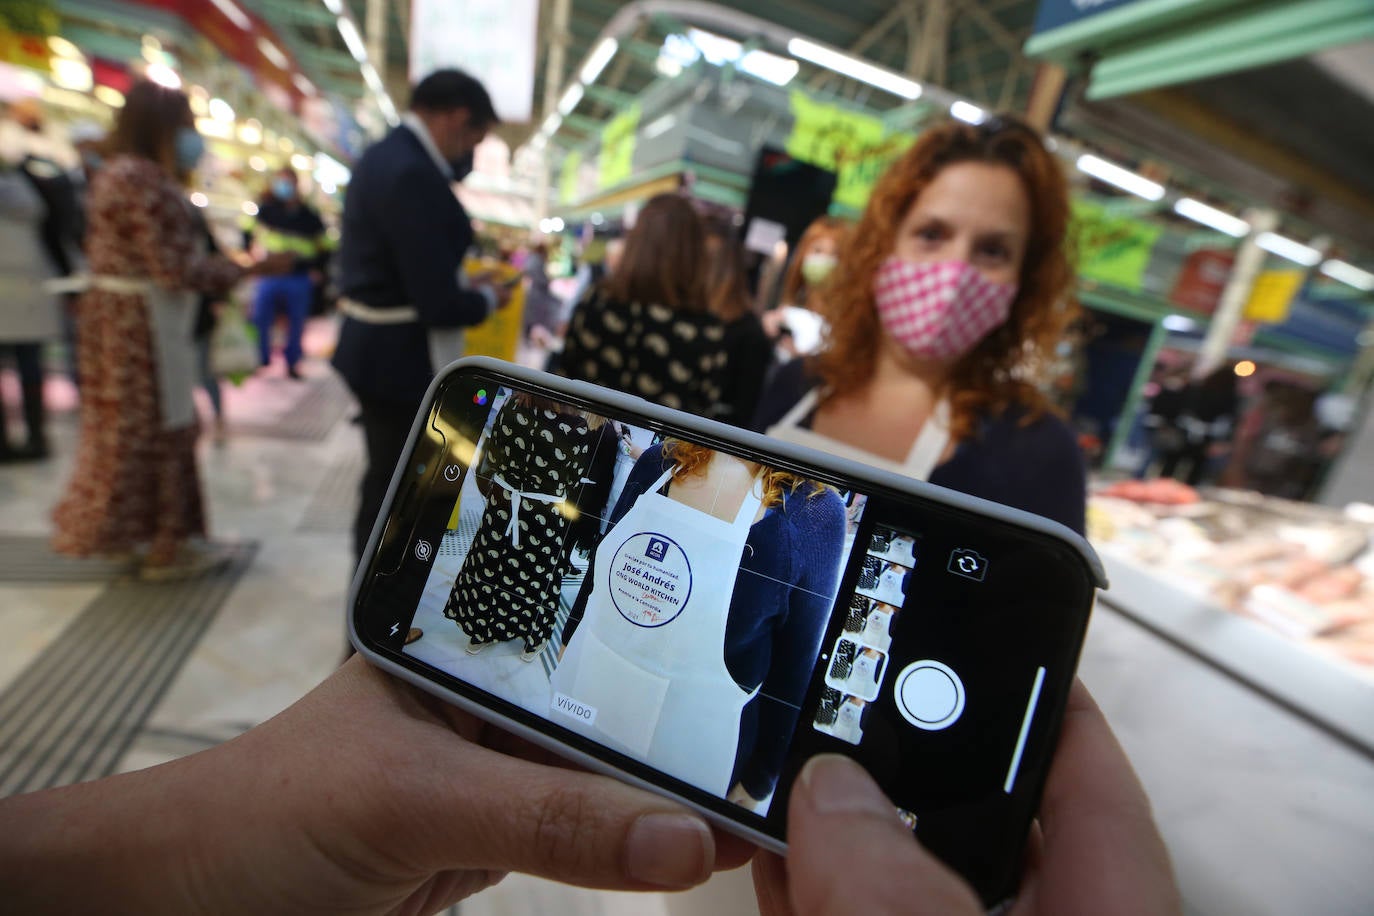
{"x":64,"y":48}
{"x":274,"y":54}
{"x":349,"y":31}
{"x":1349,"y":274}
{"x":163,"y":75}
{"x":968,"y":112}
{"x":71,"y":74}
{"x":1180,"y":323}
{"x":551,"y":125}
{"x":598,"y":60}
{"x":250,"y":134}
{"x":570,"y":99}
{"x":217,"y":129}
{"x":679,"y":52}
{"x":1124,"y":179}
{"x":334,"y":6}
{"x":221,"y":110}
{"x":854,"y":68}
{"x":231,"y":11}
{"x":304,"y":85}
{"x":372,"y":78}
{"x":1219,"y":220}
{"x":716,"y":49}
{"x":1287,"y":248}
{"x":769,"y":67}
{"x":660,"y":126}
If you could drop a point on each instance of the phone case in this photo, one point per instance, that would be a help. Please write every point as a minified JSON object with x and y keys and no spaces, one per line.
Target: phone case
{"x":747,"y":441}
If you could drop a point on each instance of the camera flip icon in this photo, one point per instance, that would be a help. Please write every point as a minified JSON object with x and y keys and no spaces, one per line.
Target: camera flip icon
{"x":968,"y":563}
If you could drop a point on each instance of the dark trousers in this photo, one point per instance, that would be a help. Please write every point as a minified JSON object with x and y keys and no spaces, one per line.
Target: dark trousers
{"x":385,"y":428}
{"x":28,"y":358}
{"x":292,"y":292}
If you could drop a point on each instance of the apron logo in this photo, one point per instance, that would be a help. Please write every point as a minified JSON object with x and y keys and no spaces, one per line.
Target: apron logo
{"x":651,"y":579}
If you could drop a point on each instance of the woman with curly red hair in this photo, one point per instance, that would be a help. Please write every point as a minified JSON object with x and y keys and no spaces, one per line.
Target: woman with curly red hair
{"x":948,"y":293}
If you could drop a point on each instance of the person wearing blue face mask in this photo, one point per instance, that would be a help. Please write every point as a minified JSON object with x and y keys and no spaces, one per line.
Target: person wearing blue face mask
{"x":134,"y":492}
{"x":285,"y":224}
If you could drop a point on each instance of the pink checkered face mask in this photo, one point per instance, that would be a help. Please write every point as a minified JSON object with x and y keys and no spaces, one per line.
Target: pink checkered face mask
{"x":939,"y":311}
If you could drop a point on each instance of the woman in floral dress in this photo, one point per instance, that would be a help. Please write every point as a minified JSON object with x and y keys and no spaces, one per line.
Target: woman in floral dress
{"x":135,"y":483}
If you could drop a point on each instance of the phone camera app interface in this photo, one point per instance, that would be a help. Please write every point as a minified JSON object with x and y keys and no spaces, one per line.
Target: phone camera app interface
{"x":662,"y":599}
{"x":968,"y":563}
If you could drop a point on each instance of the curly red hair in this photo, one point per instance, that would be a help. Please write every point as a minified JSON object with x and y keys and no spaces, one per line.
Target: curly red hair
{"x":991,"y":378}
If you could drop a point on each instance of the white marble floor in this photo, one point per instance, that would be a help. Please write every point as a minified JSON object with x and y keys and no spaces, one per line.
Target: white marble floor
{"x":1264,"y":814}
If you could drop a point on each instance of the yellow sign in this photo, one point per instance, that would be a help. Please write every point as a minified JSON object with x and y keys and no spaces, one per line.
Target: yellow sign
{"x":854,"y":145}
{"x":568,"y":177}
{"x":618,"y":148}
{"x":1272,"y":295}
{"x":499,"y":335}
{"x":24,"y":50}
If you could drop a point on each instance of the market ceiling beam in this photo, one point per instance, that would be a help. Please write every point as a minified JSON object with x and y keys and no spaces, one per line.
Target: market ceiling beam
{"x":871,"y":36}
{"x":296,"y":13}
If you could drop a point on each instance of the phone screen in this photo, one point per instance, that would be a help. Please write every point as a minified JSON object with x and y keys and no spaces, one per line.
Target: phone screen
{"x":707,"y":620}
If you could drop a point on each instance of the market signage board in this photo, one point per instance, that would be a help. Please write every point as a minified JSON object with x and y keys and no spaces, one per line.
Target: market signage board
{"x":568,"y":177}
{"x":854,"y":145}
{"x":1271,"y":296}
{"x":618,"y":139}
{"x":1111,"y":248}
{"x":494,"y":40}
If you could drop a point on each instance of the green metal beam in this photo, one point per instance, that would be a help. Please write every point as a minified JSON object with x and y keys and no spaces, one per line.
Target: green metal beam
{"x":302,"y":13}
{"x":613,"y":98}
{"x":326,"y":58}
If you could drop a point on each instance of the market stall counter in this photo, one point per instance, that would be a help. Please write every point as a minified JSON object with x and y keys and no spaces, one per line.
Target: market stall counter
{"x":1277,"y":594}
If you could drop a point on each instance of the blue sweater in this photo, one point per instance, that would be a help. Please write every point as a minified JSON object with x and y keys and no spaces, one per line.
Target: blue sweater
{"x":1035,"y":466}
{"x":777,"y":618}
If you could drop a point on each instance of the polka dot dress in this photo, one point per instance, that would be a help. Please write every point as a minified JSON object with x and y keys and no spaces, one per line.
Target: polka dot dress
{"x":504,"y":591}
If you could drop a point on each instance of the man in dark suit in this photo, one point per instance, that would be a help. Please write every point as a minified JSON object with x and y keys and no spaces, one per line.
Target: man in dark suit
{"x":400,"y":268}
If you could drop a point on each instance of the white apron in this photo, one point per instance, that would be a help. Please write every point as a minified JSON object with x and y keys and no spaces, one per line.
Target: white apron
{"x":645,"y":672}
{"x":889,"y":590}
{"x":925,"y":452}
{"x":875,"y":630}
{"x":171,"y":320}
{"x":864,"y":677}
{"x":847,"y":723}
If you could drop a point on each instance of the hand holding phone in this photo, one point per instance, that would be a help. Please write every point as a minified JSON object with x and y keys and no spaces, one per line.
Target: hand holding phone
{"x":1095,"y":845}
{"x":745,"y":606}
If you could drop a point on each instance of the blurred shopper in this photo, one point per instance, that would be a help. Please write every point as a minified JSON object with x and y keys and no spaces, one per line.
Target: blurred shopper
{"x":648,"y":330}
{"x":28,"y":314}
{"x":285,"y":224}
{"x":542,"y":308}
{"x":750,"y":352}
{"x":1278,"y":450}
{"x":1207,"y":420}
{"x":401,"y":281}
{"x":135,"y":482}
{"x":1164,"y":437}
{"x":89,"y":140}
{"x":953,"y":281}
{"x":793,"y":323}
{"x":208,"y":308}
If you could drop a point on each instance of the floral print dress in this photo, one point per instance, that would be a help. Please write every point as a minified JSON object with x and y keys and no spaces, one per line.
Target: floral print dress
{"x":134,"y":483}
{"x":509,"y":583}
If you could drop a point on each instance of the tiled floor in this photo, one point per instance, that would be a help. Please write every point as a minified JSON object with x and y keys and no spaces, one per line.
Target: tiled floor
{"x":1263,"y":814}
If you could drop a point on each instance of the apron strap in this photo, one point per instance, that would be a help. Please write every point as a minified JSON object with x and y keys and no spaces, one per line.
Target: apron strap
{"x":750,"y":506}
{"x":663,"y":479}
{"x":930,"y":444}
{"x":513,"y":529}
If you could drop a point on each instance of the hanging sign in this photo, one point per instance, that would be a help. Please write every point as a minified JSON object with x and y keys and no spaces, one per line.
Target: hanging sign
{"x":1272,"y":296}
{"x":1112,"y":249}
{"x":493,"y":40}
{"x":24,"y":50}
{"x":1203,"y":278}
{"x":568,"y":177}
{"x":854,"y":145}
{"x":618,"y":139}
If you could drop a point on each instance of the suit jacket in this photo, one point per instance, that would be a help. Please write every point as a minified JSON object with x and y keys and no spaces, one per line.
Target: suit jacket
{"x":404,"y":238}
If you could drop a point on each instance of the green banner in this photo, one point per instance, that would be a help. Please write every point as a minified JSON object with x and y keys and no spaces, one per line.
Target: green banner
{"x":1112,"y":249}
{"x":854,"y":145}
{"x":568,"y":177}
{"x":618,"y":148}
